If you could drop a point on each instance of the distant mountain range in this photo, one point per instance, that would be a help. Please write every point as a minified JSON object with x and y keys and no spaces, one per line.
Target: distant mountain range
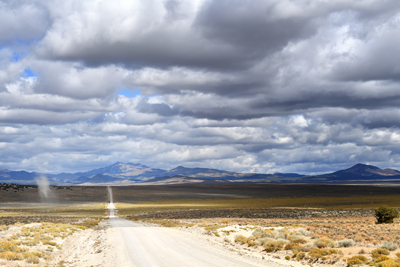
{"x":130,"y":173}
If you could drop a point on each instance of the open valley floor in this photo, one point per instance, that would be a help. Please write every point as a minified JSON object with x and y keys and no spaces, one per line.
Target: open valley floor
{"x":196,"y":225}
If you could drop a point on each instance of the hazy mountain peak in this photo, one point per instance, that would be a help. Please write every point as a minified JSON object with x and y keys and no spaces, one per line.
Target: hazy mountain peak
{"x":180,"y":167}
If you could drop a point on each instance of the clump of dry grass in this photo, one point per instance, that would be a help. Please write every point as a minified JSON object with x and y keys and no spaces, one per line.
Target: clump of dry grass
{"x":321,"y":253}
{"x":165,"y":223}
{"x":27,"y":243}
{"x":274,"y":245}
{"x":11,"y":256}
{"x":213,"y":227}
{"x":10,"y":250}
{"x":358,"y":260}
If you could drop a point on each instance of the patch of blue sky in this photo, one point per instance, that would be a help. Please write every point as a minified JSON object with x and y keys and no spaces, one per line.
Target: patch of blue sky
{"x":28,"y":73}
{"x":17,"y":56}
{"x":131,"y":93}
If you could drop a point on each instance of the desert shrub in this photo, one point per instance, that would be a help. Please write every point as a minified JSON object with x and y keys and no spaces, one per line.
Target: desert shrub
{"x":30,"y":242}
{"x":224,"y":221}
{"x":251,"y":243}
{"x":47,"y":242}
{"x":299,"y":241}
{"x":15,"y":236}
{"x":228,"y":232}
{"x":10,"y":255}
{"x":283,"y":241}
{"x":300,"y":256}
{"x":305,"y":232}
{"x":46,"y":237}
{"x":292,"y":246}
{"x":9,"y":246}
{"x":287,"y":258}
{"x":384,"y":214}
{"x":387,"y":263}
{"x":262,"y":241}
{"x":241,"y":239}
{"x":268,"y":233}
{"x":381,"y":258}
{"x":379,"y":252}
{"x":307,"y":247}
{"x":345,"y":243}
{"x":51,"y":243}
{"x":357,"y":260}
{"x":321,"y":253}
{"x":295,"y":236}
{"x":36,"y":254}
{"x":213,"y":227}
{"x":323,"y":243}
{"x":280,"y":234}
{"x":275,"y":234}
{"x":272,"y":246}
{"x":258,"y":232}
{"x":33,"y":259}
{"x":25,"y":231}
{"x":390,"y":246}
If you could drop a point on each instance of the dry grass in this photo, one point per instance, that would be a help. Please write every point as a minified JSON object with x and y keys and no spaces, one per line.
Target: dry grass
{"x":34,"y":243}
{"x":355,"y":202}
{"x":55,"y":214}
{"x":355,"y":240}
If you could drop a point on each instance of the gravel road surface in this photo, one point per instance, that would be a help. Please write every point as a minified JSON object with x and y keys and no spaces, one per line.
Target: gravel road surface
{"x":134,"y":244}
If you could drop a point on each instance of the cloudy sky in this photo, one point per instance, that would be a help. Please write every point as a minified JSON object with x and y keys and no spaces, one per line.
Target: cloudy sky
{"x":301,"y":86}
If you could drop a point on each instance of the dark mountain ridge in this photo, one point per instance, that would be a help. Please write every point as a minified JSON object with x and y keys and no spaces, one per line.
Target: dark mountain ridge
{"x":362,"y":172}
{"x":134,"y":173}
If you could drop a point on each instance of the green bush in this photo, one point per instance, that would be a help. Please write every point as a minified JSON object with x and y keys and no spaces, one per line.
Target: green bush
{"x":384,"y":214}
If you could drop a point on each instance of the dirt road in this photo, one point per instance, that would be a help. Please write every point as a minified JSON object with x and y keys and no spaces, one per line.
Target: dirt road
{"x":133,"y":244}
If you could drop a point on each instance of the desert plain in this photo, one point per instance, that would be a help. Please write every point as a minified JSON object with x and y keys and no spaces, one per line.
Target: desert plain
{"x":250,"y":224}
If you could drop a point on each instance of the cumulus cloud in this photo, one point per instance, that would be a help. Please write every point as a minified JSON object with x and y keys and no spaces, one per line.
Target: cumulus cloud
{"x":262,"y":86}
{"x":22,"y":21}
